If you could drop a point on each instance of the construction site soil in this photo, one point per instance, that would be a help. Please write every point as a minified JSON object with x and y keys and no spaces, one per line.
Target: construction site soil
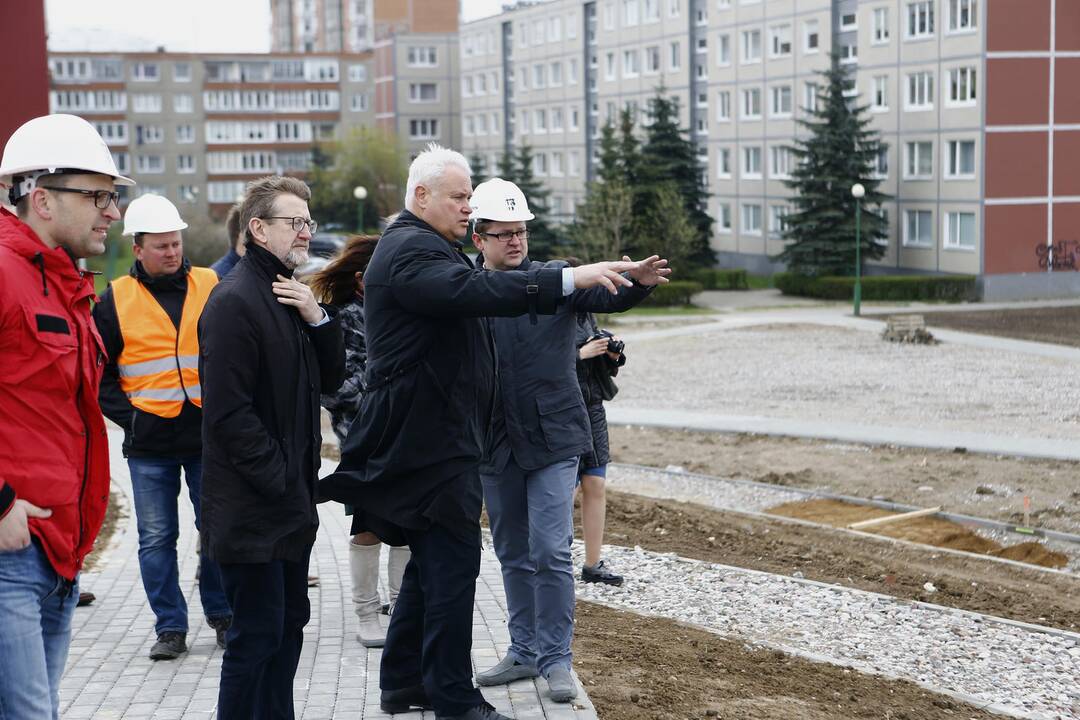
{"x":1057,"y":325}
{"x":649,"y":668}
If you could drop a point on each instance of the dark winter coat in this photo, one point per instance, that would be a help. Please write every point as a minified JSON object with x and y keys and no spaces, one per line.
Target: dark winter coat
{"x":412,"y":455}
{"x":262,"y":370}
{"x":225,"y":264}
{"x":540,"y":417}
{"x":587,"y":375}
{"x":146,"y":434}
{"x":344,"y":403}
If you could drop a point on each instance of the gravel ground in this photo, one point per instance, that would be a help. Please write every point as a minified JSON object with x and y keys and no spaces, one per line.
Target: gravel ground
{"x":810,"y":372}
{"x":1024,"y":670}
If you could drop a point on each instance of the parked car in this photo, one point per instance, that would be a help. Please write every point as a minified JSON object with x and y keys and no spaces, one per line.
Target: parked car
{"x":326,"y":245}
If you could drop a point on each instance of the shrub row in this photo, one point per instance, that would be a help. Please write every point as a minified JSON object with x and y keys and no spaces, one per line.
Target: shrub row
{"x":950,"y":288}
{"x":718,"y":279}
{"x":676,"y":292}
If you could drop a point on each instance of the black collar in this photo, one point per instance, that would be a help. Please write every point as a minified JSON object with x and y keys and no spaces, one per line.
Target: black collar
{"x":265,"y":262}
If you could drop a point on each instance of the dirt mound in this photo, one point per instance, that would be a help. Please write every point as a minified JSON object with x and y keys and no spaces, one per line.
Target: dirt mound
{"x":926,"y":530}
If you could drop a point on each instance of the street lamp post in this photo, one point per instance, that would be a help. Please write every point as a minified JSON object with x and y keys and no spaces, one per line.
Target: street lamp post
{"x":858,"y":192}
{"x":360,"y":193}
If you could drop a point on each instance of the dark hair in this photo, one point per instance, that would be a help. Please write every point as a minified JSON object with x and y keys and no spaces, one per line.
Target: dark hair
{"x":336,"y":283}
{"x":262,"y":193}
{"x":232,"y":227}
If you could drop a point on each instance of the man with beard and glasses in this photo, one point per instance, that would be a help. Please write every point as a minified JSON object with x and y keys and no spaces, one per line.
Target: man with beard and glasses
{"x":267,"y":351}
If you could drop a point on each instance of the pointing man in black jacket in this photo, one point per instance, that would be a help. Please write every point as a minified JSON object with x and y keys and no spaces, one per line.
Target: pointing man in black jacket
{"x":411,"y":460}
{"x":148,"y":321}
{"x":539,"y":430}
{"x":267,"y":351}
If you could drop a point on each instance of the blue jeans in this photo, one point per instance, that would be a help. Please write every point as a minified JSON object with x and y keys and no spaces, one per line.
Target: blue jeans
{"x":531,"y":514}
{"x":156,"y":482}
{"x":36,"y":606}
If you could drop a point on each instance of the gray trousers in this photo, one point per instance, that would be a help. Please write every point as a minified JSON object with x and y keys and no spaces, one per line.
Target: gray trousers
{"x":531,"y":515}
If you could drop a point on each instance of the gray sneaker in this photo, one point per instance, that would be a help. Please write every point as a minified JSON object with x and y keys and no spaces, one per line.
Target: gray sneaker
{"x":561,"y":684}
{"x":508,"y":670}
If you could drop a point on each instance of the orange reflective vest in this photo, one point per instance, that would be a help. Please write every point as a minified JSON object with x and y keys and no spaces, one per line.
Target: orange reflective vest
{"x":159,"y":366}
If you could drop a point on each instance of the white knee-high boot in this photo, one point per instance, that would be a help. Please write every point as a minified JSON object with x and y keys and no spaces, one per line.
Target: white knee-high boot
{"x":364,"y":568}
{"x":395,"y":570}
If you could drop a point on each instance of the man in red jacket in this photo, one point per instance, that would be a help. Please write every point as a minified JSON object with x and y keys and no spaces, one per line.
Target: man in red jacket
{"x":54,"y":462}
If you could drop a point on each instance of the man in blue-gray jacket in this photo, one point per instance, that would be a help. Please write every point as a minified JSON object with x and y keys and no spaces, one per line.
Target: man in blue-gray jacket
{"x":539,"y":430}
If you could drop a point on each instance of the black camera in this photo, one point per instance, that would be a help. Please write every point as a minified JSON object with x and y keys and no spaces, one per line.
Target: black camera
{"x":613,"y":345}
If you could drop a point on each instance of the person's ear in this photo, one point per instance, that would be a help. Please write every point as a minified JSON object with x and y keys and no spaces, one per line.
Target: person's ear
{"x":41,"y":203}
{"x":422,"y":195}
{"x":257,"y":229}
{"x":477,"y":242}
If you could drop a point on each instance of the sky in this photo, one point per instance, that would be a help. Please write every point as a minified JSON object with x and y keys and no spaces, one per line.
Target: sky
{"x":181,"y":26}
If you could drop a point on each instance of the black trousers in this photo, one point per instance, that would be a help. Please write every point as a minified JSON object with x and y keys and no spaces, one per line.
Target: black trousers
{"x":270,"y":608}
{"x":429,"y":640}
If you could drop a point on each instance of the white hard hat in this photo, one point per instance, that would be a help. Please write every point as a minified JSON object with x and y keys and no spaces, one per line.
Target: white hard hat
{"x":499,"y":200}
{"x":55,"y":142}
{"x":152,"y":214}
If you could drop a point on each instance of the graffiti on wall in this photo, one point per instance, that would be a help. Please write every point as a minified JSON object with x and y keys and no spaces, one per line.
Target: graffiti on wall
{"x":1062,"y":255}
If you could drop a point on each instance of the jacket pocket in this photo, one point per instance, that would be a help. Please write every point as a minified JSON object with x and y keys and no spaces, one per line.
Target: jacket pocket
{"x":563,"y":419}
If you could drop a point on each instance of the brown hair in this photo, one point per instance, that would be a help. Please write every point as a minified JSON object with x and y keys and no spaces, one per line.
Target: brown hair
{"x":259,"y":199}
{"x":232,"y":227}
{"x":336,"y":283}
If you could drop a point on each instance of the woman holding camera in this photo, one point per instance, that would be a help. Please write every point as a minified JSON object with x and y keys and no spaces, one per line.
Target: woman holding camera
{"x":598,"y":360}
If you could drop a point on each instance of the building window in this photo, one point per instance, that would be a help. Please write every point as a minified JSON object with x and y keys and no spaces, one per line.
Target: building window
{"x":810,"y":96}
{"x":751,"y":167}
{"x":962,"y":15}
{"x":724,"y":218}
{"x":780,"y":166}
{"x":751,"y":219}
{"x":920,"y":161}
{"x":751,"y":109}
{"x":920,"y":92}
{"x":778,"y":219}
{"x":185,"y":134}
{"x":780,"y":40}
{"x":960,"y":159}
{"x":849,"y":22}
{"x":555,"y":73}
{"x":781,"y":101}
{"x":121,"y":160}
{"x":609,"y":66}
{"x":702,"y":45}
{"x":630,"y":13}
{"x":751,"y":46}
{"x":358,"y":102}
{"x":918,"y":228}
{"x":881,"y":26}
{"x":881,"y":93}
{"x":185,"y":164}
{"x":631,"y":63}
{"x":146,"y":103}
{"x":540,"y":121}
{"x":701,"y":14}
{"x":423,"y":56}
{"x":187,"y":193}
{"x":539,"y":76}
{"x":357,"y":73}
{"x":145,"y":72}
{"x":962,"y":86}
{"x":609,"y":16}
{"x":555,"y":29}
{"x":920,"y":19}
{"x":424,"y":129}
{"x":849,"y":53}
{"x":960,"y":230}
{"x":881,"y":163}
{"x":149,"y":134}
{"x":113,"y":133}
{"x":675,"y":59}
{"x":183,"y":103}
{"x":723,"y":49}
{"x":723,"y":105}
{"x":181,"y":72}
{"x":149,"y":164}
{"x":652,"y":60}
{"x":723,"y":163}
{"x":811,"y":36}
{"x":423,"y":92}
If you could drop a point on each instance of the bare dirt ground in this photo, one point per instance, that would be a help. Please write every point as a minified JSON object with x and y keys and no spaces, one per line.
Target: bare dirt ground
{"x":647,"y":668}
{"x":982,"y":485}
{"x":831,"y":556}
{"x":1059,"y":325}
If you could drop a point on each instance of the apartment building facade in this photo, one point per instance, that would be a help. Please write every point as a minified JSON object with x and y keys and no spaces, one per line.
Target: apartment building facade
{"x":968,"y":95}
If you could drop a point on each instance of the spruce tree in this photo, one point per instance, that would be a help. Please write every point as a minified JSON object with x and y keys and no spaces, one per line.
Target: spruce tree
{"x":840,"y":151}
{"x":542,"y":237}
{"x":479,"y":168}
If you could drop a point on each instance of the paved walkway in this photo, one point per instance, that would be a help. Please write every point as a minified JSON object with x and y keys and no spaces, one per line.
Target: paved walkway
{"x":110,"y":676}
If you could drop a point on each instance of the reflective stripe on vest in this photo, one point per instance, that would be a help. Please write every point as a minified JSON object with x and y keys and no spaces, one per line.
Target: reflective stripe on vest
{"x":159,"y":367}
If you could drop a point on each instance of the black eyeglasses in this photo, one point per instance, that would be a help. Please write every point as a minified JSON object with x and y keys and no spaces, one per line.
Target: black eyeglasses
{"x":102,"y":198}
{"x":506,"y":237}
{"x":298,"y":222}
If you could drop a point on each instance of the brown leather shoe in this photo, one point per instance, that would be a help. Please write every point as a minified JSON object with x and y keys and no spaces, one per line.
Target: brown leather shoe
{"x":85,"y":598}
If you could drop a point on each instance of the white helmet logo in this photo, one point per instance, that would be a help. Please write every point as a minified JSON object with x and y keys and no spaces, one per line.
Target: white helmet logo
{"x":511,"y":204}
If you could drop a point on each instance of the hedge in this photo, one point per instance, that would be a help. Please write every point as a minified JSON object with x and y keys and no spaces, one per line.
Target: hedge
{"x":951,"y":288}
{"x":718,"y":279}
{"x":677,"y":292}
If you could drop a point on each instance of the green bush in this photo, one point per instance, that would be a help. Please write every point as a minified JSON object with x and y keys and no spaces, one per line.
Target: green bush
{"x":950,"y":288}
{"x":678,"y":292}
{"x":721,"y":279}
